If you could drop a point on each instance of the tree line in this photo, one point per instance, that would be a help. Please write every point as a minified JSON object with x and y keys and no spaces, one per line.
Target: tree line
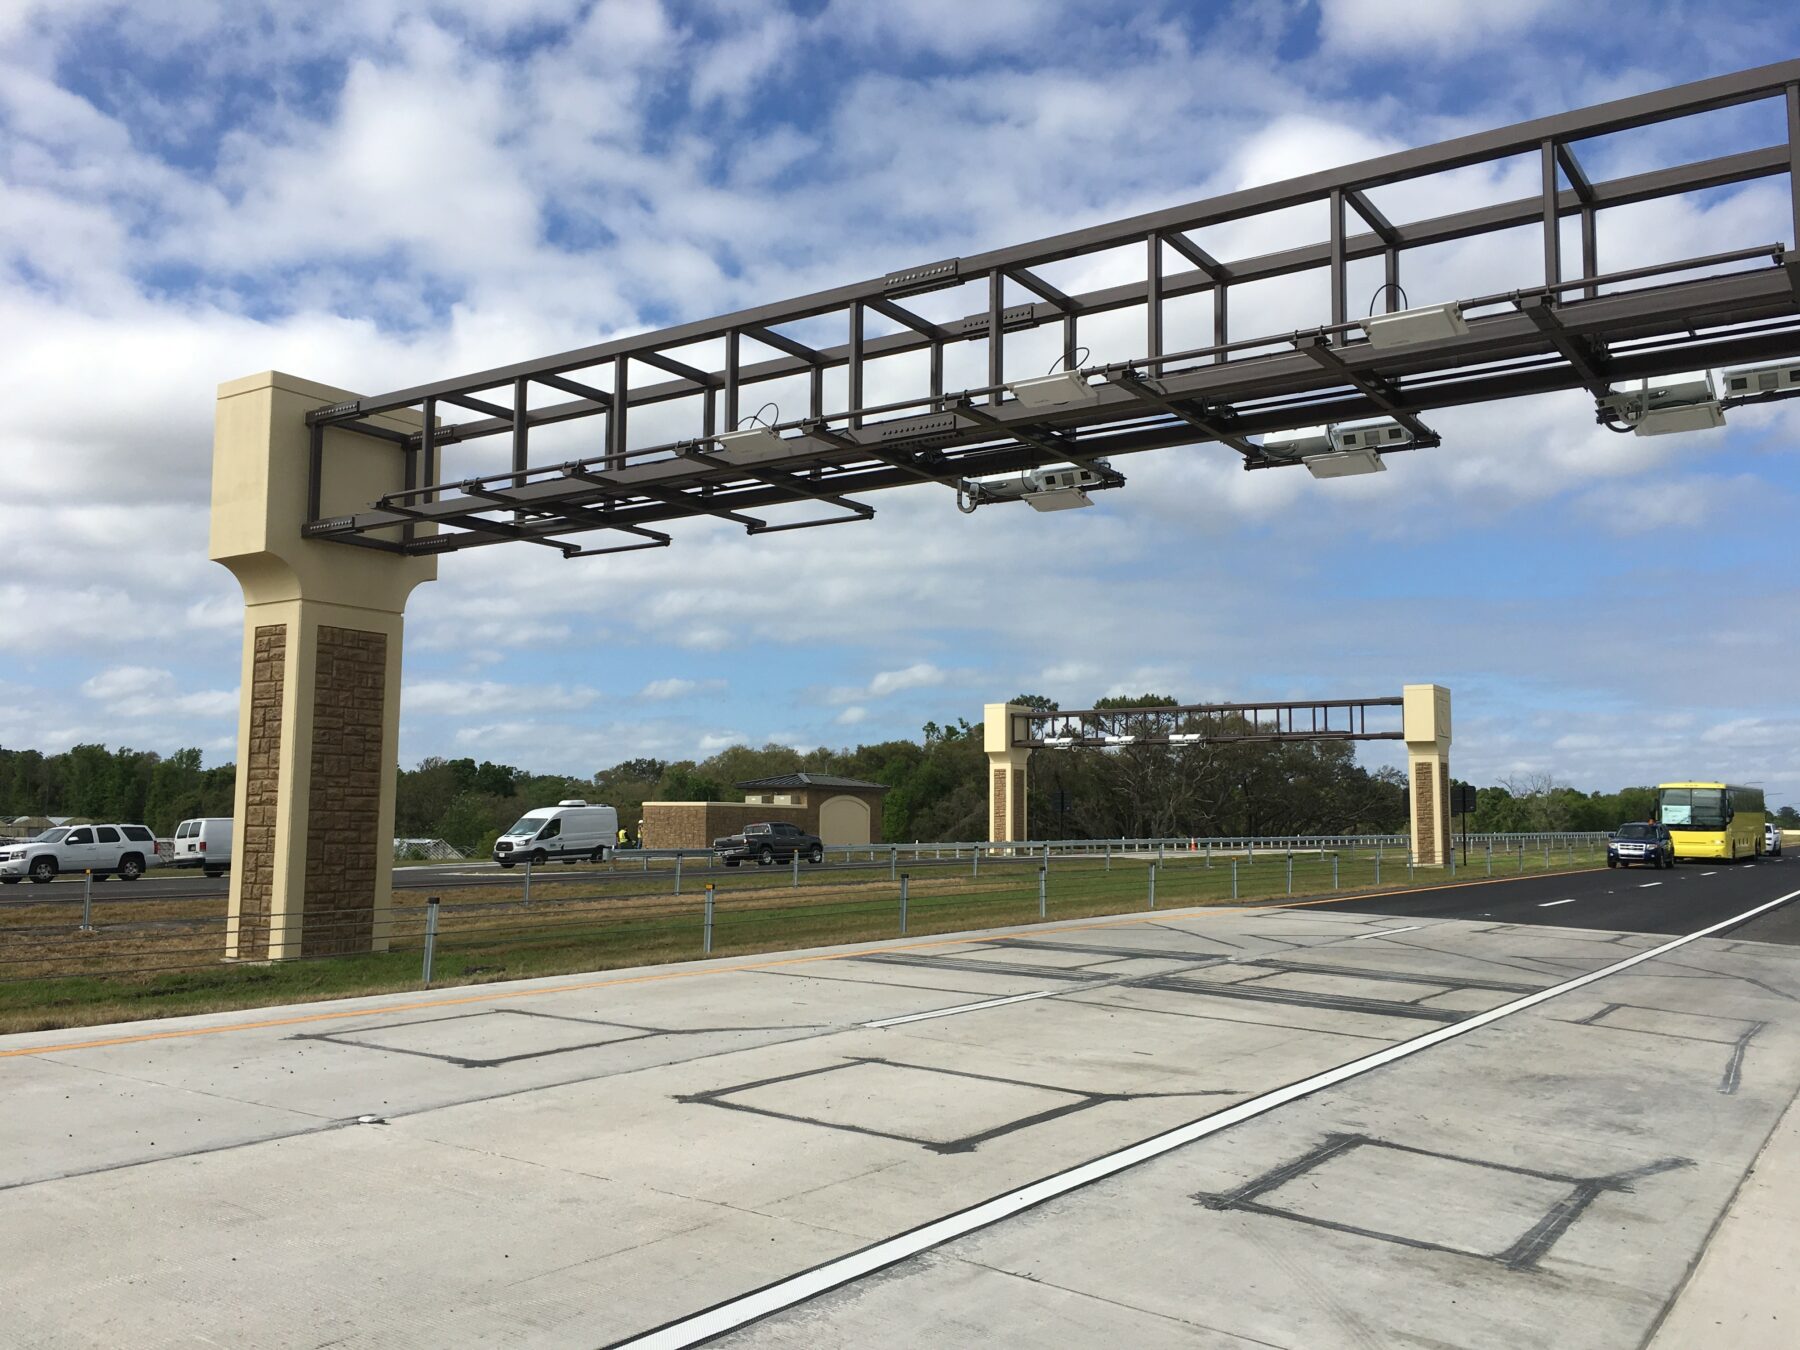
{"x":937,"y":788}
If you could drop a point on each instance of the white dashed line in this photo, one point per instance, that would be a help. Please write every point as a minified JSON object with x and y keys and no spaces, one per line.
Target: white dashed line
{"x":1550,"y":903}
{"x":961,"y":1008}
{"x":1410,"y":928}
{"x":1646,"y":885}
{"x":1709,"y":874}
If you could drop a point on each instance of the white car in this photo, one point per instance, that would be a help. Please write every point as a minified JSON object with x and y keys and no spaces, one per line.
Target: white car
{"x":1772,"y":839}
{"x":128,"y":850}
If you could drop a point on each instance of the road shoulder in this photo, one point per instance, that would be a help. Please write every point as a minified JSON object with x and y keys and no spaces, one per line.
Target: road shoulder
{"x":1741,"y":1291}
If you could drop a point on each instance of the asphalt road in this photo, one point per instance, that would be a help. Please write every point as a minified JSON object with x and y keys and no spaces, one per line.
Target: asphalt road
{"x":1625,"y":900}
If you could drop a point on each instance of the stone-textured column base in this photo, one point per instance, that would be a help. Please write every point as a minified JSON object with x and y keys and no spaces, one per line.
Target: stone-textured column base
{"x":313,"y":864}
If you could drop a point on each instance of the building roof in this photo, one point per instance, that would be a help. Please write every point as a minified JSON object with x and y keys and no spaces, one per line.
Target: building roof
{"x":813,"y":780}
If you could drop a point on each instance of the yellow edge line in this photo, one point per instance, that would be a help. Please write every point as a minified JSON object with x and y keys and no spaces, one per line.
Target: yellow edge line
{"x":423,"y":1004}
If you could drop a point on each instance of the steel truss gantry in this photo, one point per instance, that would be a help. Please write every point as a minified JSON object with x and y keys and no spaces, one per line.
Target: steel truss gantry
{"x":1563,"y":329}
{"x":1202,"y":723}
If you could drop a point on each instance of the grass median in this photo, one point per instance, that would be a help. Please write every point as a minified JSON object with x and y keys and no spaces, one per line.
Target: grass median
{"x":148,"y":959}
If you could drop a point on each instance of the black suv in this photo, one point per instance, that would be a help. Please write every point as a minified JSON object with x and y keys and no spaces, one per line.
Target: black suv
{"x":1640,"y":843}
{"x":775,"y":842}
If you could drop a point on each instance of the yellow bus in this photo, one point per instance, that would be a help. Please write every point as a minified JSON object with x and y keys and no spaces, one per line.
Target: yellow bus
{"x":1712,"y":820}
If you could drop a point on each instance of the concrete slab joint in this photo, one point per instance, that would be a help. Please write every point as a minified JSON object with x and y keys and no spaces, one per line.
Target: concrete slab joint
{"x":318,"y":724}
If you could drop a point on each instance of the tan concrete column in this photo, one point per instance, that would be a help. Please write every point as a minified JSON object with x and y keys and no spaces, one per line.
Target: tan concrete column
{"x":1008,"y":782}
{"x":319,"y":712}
{"x":1425,"y":724}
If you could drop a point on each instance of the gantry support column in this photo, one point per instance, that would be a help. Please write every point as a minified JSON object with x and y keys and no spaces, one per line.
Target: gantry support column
{"x":319,"y":711}
{"x":1007,"y":780}
{"x":1425,"y":724}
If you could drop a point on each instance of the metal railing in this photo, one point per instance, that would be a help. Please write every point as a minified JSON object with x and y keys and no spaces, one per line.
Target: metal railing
{"x":619,"y":915}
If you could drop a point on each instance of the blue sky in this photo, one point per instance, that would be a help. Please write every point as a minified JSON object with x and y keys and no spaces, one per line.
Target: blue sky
{"x":380,"y":193}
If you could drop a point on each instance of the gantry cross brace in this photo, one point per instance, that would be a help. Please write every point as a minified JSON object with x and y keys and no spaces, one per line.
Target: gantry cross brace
{"x":1551,"y":332}
{"x":1204,"y":723}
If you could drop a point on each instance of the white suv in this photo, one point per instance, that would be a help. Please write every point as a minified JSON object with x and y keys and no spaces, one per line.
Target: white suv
{"x":1772,"y":839}
{"x":102,"y":849}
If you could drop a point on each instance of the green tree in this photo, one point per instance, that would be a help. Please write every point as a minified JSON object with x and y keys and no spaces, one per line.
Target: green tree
{"x":682,"y":782}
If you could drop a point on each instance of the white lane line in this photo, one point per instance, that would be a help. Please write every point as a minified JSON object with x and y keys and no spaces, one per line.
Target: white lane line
{"x":785,"y":1293}
{"x":962,"y":1008}
{"x":1646,"y":885}
{"x":1709,"y":874}
{"x":1410,"y":928}
{"x":1548,"y":904}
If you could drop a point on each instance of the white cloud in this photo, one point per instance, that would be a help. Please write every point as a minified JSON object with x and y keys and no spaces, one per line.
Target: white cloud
{"x":852,"y":716}
{"x":473,"y":698}
{"x":1389,"y":28}
{"x":675,"y":687}
{"x":919,"y":675}
{"x":140,"y":692}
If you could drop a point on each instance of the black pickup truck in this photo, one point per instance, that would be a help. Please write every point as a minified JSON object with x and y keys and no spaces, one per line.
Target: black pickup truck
{"x":776,"y":842}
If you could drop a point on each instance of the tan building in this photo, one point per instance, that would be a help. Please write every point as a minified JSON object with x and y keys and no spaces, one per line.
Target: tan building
{"x":838,"y":810}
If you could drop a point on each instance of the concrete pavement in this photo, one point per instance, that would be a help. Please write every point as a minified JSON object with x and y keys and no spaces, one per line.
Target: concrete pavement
{"x":578,"y":1161}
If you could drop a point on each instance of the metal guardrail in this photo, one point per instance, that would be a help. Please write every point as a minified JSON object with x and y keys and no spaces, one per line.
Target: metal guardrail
{"x":612,"y":917}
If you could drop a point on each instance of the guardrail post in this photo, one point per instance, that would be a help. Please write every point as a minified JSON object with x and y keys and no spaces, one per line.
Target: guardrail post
{"x":87,"y":901}
{"x":1043,"y":875}
{"x":1490,"y":857}
{"x":678,"y":871}
{"x":1409,"y":869}
{"x":1334,"y":871}
{"x":706,"y":938}
{"x":1152,"y":885}
{"x":1249,"y":852}
{"x":1209,"y":853}
{"x":1521,"y":855}
{"x":893,"y":863}
{"x":975,"y":862}
{"x":1378,"y":866}
{"x":1109,"y":857}
{"x":1546,"y":855}
{"x":1234,"y":894}
{"x":796,"y":869}
{"x":1159,"y":850}
{"x":903,"y":880}
{"x":431,"y":923}
{"x":1290,"y":870}
{"x":528,"y":881}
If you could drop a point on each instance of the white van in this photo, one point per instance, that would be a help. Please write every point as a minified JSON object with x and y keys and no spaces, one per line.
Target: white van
{"x":204,"y":842}
{"x":570,"y":830}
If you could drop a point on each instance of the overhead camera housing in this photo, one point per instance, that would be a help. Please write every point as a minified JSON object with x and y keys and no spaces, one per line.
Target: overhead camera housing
{"x":1777,"y":377}
{"x":1428,"y":323}
{"x":1664,"y":405}
{"x":751,"y":445}
{"x":1065,"y":389}
{"x":1062,"y":488}
{"x":1299,"y":442}
{"x":1339,"y":451}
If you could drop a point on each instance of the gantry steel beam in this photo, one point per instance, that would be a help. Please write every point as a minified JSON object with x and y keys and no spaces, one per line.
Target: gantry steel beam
{"x":1549,"y":332}
{"x":1205,"y":724}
